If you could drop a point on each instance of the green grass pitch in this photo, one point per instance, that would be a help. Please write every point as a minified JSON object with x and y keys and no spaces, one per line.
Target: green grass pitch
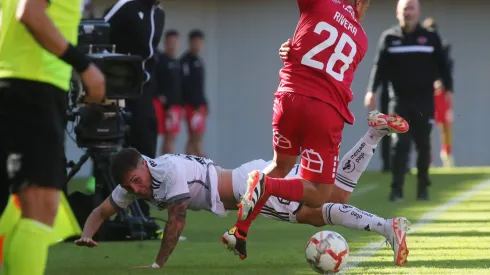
{"x":456,"y":241}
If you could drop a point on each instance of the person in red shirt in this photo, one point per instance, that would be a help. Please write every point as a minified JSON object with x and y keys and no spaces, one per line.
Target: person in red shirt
{"x":310,"y":110}
{"x":443,"y":105}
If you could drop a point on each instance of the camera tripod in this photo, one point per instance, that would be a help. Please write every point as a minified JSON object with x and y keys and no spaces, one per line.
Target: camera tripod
{"x":128,"y":225}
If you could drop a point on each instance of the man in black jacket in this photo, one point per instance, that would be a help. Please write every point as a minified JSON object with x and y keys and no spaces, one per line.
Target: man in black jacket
{"x":411,"y":58}
{"x":136,"y":29}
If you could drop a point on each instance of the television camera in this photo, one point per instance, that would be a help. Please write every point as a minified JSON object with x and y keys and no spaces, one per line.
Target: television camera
{"x":101,"y":129}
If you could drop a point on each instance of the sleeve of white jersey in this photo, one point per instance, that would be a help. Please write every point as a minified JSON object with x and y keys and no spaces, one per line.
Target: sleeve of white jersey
{"x":121,"y":198}
{"x":173,"y":185}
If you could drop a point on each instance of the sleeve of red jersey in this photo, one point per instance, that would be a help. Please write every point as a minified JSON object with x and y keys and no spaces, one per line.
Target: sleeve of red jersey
{"x":305,"y":5}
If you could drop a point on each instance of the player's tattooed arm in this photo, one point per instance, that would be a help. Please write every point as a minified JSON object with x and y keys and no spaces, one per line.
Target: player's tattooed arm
{"x":177,"y":212}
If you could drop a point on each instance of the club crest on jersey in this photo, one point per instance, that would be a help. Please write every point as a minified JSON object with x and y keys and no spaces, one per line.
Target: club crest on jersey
{"x":350,"y":10}
{"x":422,"y":40}
{"x":336,"y":1}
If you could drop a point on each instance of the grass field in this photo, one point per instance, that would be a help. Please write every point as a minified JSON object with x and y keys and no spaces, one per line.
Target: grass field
{"x":451,"y":236}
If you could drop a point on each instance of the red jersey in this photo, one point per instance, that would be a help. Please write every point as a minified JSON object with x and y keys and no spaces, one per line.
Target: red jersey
{"x":328,"y":45}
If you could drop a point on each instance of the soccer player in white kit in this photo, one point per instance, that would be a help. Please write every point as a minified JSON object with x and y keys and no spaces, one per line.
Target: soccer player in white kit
{"x":181,"y":182}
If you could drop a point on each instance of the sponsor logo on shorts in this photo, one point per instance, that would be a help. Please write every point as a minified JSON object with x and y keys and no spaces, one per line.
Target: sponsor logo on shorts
{"x":311,"y":161}
{"x":348,"y":166}
{"x":280,"y":141}
{"x":14,"y":164}
{"x":358,"y":151}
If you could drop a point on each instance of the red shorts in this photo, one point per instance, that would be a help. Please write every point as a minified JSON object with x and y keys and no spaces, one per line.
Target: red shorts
{"x":196,"y":118}
{"x":311,"y":128}
{"x":168,"y":122}
{"x":443,"y":109}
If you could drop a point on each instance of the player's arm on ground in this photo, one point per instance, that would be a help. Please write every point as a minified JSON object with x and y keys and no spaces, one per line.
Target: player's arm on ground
{"x":378,"y":72}
{"x":442,"y":60}
{"x":119,"y":199}
{"x":177,"y":212}
{"x":103,"y":212}
{"x":32,"y":13}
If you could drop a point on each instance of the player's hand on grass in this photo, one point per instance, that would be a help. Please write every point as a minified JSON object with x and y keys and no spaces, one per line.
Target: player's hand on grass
{"x":94,"y":80}
{"x":86,"y":241}
{"x":284,"y":49}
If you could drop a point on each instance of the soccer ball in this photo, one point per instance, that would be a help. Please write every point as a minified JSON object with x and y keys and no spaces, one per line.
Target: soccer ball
{"x":327,"y":252}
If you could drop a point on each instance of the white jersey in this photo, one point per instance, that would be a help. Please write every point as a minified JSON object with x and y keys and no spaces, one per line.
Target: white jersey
{"x":176,"y":177}
{"x":275,"y":208}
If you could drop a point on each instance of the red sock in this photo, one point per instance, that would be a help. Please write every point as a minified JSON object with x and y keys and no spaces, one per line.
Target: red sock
{"x":290,"y":189}
{"x":447,"y":148}
{"x":245,"y":225}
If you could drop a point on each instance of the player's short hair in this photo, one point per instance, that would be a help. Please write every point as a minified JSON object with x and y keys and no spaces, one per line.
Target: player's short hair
{"x":171,"y":33}
{"x":196,"y":34}
{"x":122,"y":162}
{"x":430,"y":22}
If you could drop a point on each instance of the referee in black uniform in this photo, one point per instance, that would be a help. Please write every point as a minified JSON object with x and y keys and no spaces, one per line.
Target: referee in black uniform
{"x":136,"y":29}
{"x":411,"y":58}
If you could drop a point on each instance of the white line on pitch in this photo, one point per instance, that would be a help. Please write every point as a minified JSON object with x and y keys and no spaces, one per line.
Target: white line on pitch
{"x":429,"y":217}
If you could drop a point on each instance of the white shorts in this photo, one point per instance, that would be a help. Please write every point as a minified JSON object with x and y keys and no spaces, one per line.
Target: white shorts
{"x":275,"y":208}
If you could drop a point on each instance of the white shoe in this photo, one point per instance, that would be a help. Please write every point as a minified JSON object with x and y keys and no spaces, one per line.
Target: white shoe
{"x":447,"y":160}
{"x":387,"y":124}
{"x":396,"y":235}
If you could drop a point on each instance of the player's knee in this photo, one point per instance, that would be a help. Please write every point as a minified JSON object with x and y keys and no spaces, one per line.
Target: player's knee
{"x":40,"y":203}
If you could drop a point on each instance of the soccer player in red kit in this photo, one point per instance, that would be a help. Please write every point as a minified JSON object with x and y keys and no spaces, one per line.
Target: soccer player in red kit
{"x":310,"y":110}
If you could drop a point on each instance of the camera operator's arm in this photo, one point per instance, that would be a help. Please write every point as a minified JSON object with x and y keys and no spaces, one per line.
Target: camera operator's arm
{"x":32,"y":14}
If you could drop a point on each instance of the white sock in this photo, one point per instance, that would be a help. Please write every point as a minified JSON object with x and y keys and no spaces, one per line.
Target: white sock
{"x":355,"y":162}
{"x":350,"y":217}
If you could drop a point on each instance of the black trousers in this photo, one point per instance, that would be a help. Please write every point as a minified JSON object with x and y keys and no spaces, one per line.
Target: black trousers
{"x":419,"y":133}
{"x":143,"y":130}
{"x":386,"y":141}
{"x":32,"y":151}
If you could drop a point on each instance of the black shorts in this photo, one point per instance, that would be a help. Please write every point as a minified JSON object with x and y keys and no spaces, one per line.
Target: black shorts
{"x":32,"y":139}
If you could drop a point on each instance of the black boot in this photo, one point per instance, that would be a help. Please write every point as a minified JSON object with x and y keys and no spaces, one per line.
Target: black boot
{"x":396,"y":194}
{"x":422,"y":192}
